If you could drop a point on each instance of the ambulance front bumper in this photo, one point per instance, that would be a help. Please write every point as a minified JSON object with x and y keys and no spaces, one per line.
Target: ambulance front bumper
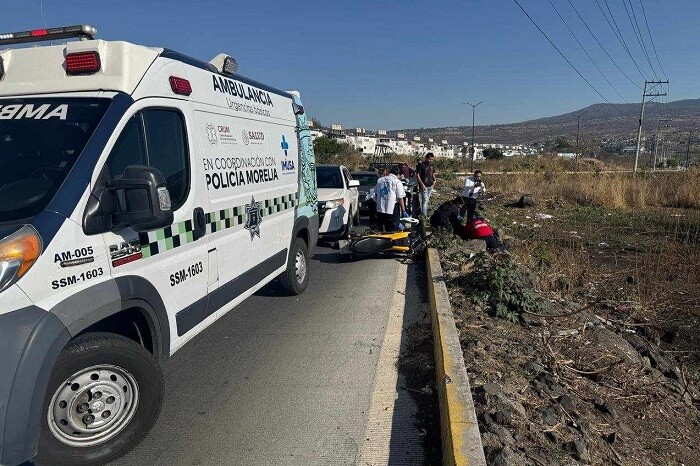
{"x":30,"y":341}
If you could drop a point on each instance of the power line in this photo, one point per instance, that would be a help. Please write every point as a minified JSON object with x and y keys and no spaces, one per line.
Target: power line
{"x":564,"y":57}
{"x":638,"y":33}
{"x":651,"y":39}
{"x":618,"y":34}
{"x":586,"y":51}
{"x":602,"y":47}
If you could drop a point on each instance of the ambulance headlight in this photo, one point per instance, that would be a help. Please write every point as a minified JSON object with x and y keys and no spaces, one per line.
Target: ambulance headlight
{"x":332,"y":204}
{"x":18,"y":252}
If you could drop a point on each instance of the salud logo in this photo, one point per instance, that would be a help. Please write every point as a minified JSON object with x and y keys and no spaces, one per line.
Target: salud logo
{"x":211,"y":134}
{"x":254,"y":219}
{"x":246,"y":139}
{"x":285,"y":145}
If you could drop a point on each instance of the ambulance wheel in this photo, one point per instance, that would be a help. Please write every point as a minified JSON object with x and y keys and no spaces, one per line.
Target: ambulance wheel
{"x":104,"y":395}
{"x":296,"y":277}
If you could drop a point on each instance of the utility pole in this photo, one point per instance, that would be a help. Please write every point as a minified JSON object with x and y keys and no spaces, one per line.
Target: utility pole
{"x":641,"y":116}
{"x":687,"y":151}
{"x":473,"y":149}
{"x":656,"y":141}
{"x":578,"y":130}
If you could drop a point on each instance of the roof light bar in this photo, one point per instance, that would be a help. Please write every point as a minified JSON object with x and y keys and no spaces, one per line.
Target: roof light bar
{"x":180,"y":86}
{"x":83,"y":31}
{"x":225,"y":64}
{"x":230,"y":66}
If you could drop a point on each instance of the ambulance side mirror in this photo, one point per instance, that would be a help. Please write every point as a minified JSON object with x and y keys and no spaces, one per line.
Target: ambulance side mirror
{"x":143,"y":198}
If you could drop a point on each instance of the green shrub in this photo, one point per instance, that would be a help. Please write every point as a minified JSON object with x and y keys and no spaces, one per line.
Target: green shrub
{"x":499,"y":282}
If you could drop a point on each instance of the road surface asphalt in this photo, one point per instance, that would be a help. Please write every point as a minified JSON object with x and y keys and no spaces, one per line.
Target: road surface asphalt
{"x":279,"y":380}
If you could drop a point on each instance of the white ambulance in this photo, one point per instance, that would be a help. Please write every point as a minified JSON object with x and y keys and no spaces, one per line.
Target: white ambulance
{"x":143,"y":195}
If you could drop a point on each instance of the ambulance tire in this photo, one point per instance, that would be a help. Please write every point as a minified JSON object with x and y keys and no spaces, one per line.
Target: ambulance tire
{"x":113,"y":356}
{"x":296,"y":277}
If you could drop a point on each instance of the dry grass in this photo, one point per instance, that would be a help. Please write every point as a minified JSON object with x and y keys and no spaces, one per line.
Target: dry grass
{"x":541,"y":164}
{"x":547,"y":164}
{"x":613,"y":190}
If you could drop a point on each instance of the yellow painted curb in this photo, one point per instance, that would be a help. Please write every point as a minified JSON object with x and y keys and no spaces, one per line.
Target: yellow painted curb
{"x":461,"y":440}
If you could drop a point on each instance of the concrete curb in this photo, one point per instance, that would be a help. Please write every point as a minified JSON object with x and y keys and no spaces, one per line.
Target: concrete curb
{"x":461,"y":440}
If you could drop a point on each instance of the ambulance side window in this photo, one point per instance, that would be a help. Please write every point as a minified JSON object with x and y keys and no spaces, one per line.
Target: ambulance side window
{"x":155,"y":137}
{"x":129,"y":149}
{"x":167,"y":150}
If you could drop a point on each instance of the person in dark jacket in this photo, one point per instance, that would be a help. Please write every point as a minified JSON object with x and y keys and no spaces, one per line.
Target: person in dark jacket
{"x":448,"y":215}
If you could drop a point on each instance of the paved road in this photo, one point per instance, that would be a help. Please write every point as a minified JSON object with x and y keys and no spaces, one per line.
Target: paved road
{"x":279,"y":380}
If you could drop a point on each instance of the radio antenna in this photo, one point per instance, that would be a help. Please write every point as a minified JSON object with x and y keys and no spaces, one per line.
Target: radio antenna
{"x":41,"y":6}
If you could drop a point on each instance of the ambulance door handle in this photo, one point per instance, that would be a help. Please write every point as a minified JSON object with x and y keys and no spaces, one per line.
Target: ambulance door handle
{"x":199,"y":223}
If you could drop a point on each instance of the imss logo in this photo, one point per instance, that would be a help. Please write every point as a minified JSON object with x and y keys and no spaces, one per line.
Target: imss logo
{"x":287,"y":164}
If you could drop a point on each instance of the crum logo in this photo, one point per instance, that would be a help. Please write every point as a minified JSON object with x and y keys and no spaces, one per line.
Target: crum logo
{"x":211,"y":134}
{"x":228,"y":86}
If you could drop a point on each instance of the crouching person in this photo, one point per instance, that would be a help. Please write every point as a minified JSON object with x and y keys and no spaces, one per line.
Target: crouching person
{"x":448,"y":215}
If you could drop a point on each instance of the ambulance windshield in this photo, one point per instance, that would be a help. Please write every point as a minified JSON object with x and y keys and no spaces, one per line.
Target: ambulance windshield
{"x":40,"y":139}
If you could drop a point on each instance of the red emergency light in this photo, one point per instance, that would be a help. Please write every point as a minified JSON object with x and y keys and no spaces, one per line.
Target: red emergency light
{"x":83,"y":63}
{"x":180,"y":85}
{"x":82,"y":31}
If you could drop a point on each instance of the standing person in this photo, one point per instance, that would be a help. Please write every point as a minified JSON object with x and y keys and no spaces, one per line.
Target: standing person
{"x":372,"y":204}
{"x":473,"y":189}
{"x":425,"y":175}
{"x":406,"y":171}
{"x":388,"y":193}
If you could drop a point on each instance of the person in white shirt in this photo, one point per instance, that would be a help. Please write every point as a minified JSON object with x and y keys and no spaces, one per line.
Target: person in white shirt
{"x":473,"y":189}
{"x":389,"y":194}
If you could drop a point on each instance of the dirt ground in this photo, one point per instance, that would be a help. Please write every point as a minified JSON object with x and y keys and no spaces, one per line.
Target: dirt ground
{"x":581,"y":342}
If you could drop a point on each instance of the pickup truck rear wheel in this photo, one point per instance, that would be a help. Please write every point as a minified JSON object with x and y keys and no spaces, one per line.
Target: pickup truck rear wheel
{"x":296,"y":277}
{"x":350,"y":224}
{"x":104,"y":395}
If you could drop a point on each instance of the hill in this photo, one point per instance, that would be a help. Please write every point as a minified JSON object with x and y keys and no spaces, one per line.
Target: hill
{"x":601,"y":121}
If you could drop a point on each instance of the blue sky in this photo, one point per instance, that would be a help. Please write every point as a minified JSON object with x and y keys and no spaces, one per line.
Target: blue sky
{"x":403,"y":63}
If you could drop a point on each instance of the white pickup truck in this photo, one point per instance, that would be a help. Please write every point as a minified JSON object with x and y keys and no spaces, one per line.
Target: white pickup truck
{"x":338,"y":201}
